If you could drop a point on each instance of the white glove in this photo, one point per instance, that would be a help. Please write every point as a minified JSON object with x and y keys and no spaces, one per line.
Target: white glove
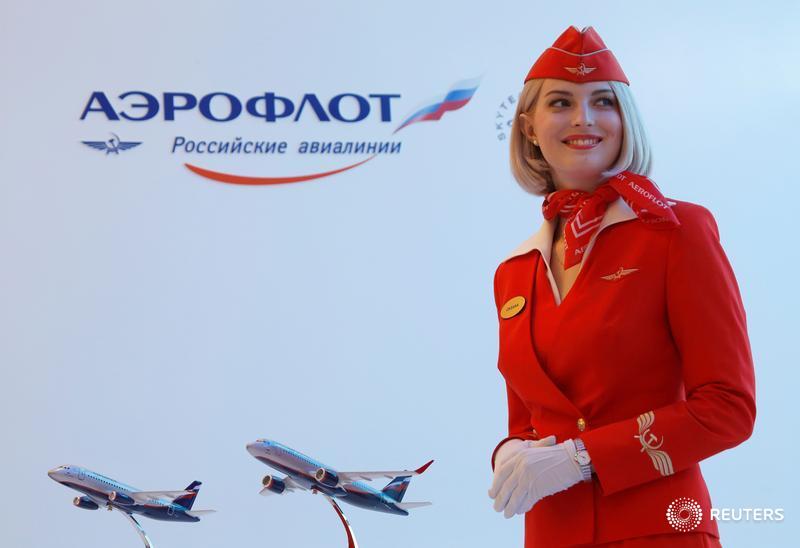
{"x":508,"y":450}
{"x":533,"y":473}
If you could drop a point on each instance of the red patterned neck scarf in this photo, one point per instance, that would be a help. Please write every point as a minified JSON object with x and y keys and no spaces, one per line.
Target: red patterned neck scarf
{"x":584,"y":211}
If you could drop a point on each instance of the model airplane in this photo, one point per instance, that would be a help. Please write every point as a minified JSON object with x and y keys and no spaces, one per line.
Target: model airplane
{"x":102,"y":491}
{"x":305,"y":473}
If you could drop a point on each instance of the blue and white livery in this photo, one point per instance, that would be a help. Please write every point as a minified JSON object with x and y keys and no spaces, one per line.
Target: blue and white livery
{"x":305,"y":473}
{"x":103,"y":491}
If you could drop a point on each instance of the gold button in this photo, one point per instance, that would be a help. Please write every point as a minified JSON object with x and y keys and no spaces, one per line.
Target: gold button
{"x":581,"y":424}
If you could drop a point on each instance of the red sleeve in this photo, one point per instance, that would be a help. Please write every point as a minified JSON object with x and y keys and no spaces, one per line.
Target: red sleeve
{"x":519,"y":422}
{"x":519,"y":418}
{"x":708,"y":325}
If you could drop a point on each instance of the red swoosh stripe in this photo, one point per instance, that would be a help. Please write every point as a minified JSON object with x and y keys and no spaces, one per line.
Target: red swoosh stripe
{"x":243,"y":180}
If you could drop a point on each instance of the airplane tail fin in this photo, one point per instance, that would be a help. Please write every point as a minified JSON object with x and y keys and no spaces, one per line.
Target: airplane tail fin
{"x":188,"y":500}
{"x":397,"y":488}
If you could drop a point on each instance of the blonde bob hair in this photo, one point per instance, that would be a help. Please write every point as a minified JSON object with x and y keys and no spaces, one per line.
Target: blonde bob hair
{"x":532,"y":171}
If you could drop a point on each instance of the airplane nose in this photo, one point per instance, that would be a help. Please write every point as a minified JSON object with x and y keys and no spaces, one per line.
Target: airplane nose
{"x":53,"y":474}
{"x":252,"y":447}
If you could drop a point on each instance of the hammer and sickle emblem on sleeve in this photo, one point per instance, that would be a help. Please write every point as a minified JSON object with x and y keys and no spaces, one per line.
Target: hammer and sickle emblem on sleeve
{"x":652,"y":445}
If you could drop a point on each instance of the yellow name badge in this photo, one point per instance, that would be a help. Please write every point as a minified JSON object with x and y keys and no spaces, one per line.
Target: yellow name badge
{"x":512,"y":307}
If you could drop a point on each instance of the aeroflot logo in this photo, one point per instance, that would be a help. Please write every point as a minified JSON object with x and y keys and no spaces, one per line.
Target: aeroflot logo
{"x":275,"y":109}
{"x":139,"y":106}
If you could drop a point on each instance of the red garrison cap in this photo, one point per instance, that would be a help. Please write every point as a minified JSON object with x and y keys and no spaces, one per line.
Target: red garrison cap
{"x":578,"y":56}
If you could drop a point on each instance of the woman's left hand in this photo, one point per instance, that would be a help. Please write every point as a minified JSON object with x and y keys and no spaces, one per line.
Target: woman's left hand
{"x":532,"y":474}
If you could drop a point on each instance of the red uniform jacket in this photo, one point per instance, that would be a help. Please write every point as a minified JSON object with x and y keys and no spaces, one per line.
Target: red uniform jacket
{"x":660,"y":374}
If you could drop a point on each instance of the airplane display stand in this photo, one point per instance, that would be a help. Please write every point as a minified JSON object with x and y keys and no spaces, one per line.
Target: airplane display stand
{"x":142,"y":533}
{"x":351,"y":537}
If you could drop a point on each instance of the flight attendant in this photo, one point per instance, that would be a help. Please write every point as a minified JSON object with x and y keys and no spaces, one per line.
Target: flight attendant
{"x":623,"y":339}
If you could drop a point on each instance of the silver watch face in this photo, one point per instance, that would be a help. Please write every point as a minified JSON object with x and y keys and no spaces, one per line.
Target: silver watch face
{"x":583,"y":458}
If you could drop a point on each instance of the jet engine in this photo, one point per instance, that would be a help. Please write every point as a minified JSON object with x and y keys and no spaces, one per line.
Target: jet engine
{"x":276,"y":485}
{"x":86,"y":503}
{"x":326,"y":477}
{"x":120,"y":498}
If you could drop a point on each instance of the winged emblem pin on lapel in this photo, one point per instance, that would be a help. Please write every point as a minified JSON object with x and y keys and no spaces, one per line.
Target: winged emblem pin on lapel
{"x":619,"y":274}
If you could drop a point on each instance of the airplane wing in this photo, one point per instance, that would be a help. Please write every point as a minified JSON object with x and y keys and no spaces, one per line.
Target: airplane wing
{"x":292,"y":485}
{"x":350,"y":477}
{"x":99,"y":501}
{"x":142,"y":497}
{"x":198,"y":513}
{"x":410,"y":505}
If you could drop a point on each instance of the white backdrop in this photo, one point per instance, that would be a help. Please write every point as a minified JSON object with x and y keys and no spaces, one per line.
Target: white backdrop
{"x":152,"y":322}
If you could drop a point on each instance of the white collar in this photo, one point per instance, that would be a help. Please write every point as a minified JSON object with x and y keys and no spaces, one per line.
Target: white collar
{"x":617,"y":211}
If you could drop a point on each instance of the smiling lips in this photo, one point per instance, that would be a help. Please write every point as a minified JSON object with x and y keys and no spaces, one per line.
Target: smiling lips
{"x":582,"y":142}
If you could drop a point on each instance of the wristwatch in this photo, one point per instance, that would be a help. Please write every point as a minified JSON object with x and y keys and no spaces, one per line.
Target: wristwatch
{"x":583,"y":459}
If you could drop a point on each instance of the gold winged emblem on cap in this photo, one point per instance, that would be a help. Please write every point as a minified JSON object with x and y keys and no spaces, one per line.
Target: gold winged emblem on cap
{"x":581,"y":70}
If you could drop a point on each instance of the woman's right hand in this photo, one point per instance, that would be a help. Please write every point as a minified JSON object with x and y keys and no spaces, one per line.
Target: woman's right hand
{"x":511,"y":448}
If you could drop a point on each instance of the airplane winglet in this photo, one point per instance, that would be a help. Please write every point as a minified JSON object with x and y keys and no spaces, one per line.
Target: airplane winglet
{"x":424,"y":467}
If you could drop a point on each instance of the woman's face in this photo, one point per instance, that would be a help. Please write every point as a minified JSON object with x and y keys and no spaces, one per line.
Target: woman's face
{"x":579,"y":131}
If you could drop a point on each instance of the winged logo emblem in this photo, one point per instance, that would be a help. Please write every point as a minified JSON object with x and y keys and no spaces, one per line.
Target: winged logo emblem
{"x":661,"y":460}
{"x":619,"y":274}
{"x":581,"y":70}
{"x":115,"y":144}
